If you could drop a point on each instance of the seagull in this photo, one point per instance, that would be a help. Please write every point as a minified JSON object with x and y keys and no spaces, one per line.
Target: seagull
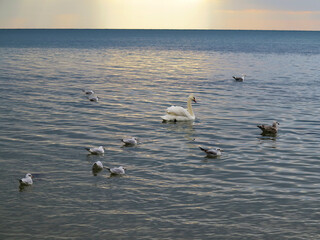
{"x":96,"y":150}
{"x":93,"y":98}
{"x":117,"y":170}
{"x":267,"y":129}
{"x":88,"y":92}
{"x":27,"y":180}
{"x":97,"y":166}
{"x":212,"y":152}
{"x":130,"y":141}
{"x":239,"y":79}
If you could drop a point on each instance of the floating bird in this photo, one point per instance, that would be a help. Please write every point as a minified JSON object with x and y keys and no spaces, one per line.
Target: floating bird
{"x":267,"y":129}
{"x":117,"y":170}
{"x":96,"y":150}
{"x":88,"y":92}
{"x":176,"y":113}
{"x":27,"y":180}
{"x":93,"y":98}
{"x":239,"y":79}
{"x":130,"y":141}
{"x":97,"y":166}
{"x":212,"y":152}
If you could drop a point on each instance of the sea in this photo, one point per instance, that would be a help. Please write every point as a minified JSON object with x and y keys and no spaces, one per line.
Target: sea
{"x":261,"y":187}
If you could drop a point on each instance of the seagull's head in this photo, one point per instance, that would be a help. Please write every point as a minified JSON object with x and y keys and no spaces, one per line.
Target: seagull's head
{"x":220,"y":149}
{"x":275,"y":123}
{"x":29,"y":175}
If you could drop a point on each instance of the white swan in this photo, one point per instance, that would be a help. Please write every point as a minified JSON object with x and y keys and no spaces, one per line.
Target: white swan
{"x":175,"y":113}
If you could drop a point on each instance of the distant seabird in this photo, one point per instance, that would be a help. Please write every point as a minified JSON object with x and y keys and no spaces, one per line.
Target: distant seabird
{"x":88,"y":92}
{"x":267,"y":129}
{"x":96,"y":150}
{"x":239,"y":79}
{"x":117,"y":170}
{"x":130,"y":141}
{"x":212,"y":152}
{"x":27,"y":180}
{"x":97,"y":166}
{"x":93,"y":98}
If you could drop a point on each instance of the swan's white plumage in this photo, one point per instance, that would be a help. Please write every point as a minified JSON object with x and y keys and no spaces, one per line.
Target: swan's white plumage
{"x":177,"y":113}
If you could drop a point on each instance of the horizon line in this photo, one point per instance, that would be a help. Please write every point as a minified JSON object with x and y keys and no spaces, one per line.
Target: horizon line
{"x":164,"y":29}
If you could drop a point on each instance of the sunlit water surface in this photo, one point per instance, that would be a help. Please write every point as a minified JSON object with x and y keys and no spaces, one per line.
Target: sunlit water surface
{"x":260,"y":188}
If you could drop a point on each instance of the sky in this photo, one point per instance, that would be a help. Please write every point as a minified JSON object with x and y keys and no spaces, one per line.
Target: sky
{"x":162,"y":14}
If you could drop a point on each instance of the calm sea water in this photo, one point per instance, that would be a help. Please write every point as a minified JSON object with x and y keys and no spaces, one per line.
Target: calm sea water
{"x":260,"y":188}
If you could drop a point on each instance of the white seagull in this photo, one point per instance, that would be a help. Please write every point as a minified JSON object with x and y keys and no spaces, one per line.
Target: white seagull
{"x":96,"y":150}
{"x":88,"y":92}
{"x":267,"y":129}
{"x":93,"y":98}
{"x":212,"y":152}
{"x":27,"y":180}
{"x":130,"y":141}
{"x":176,"y":113}
{"x":239,"y":79}
{"x":117,"y":170}
{"x":97,"y":166}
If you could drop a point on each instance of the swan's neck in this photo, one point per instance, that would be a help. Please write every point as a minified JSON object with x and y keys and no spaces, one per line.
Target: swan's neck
{"x":190,"y":107}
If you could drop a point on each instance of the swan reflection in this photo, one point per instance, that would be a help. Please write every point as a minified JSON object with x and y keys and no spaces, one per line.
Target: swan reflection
{"x":185,"y":127}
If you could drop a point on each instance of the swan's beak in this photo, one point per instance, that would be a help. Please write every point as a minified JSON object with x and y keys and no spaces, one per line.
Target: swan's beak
{"x":194,"y":99}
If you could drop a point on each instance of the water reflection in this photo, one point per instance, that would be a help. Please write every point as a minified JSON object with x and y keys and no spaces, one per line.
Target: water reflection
{"x":24,"y":188}
{"x":95,"y":171}
{"x":272,"y":137}
{"x":185,"y":127}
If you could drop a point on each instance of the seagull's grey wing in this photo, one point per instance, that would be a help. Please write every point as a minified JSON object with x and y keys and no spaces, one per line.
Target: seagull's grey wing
{"x":212,"y":152}
{"x":129,"y":141}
